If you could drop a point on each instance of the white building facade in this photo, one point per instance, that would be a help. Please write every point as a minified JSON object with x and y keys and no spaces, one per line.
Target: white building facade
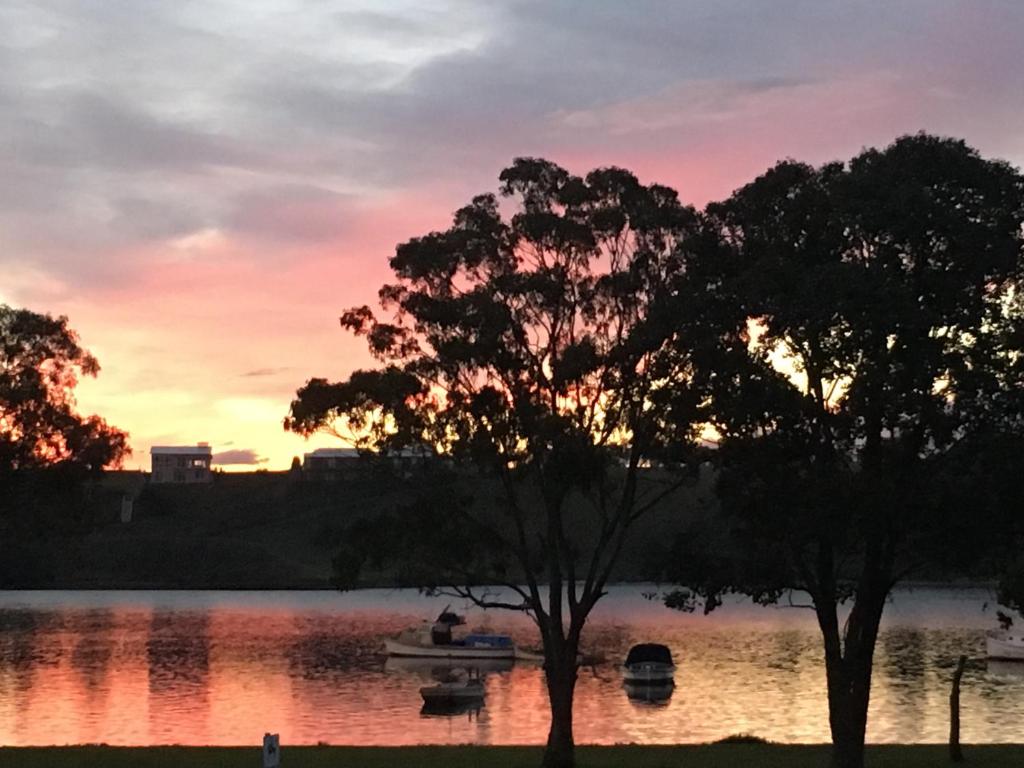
{"x":181,"y":463}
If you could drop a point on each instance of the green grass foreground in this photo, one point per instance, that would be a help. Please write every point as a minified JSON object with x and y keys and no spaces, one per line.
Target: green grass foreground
{"x":696,"y":756}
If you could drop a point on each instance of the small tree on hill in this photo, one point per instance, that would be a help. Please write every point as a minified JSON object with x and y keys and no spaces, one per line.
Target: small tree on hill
{"x":537,"y":348}
{"x":41,"y":362}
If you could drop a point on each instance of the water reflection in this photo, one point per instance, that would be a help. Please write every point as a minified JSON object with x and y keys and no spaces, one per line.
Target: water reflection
{"x":178,"y":668}
{"x":468,"y":709}
{"x":178,"y":653}
{"x":1009,"y":671}
{"x":93,"y":647}
{"x":324,"y":646}
{"x":648,"y":693}
{"x":435,"y":669}
{"x":18,"y":630}
{"x":163,"y":668}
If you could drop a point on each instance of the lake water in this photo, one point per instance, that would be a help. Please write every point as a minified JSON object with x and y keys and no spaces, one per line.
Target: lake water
{"x":141,"y":668}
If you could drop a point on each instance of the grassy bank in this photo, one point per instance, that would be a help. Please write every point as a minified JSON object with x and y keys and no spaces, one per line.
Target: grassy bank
{"x":702,"y":756}
{"x":259,"y":530}
{"x":266,"y":530}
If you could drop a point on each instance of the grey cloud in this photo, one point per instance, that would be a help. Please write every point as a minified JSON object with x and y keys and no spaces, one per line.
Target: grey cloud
{"x":262,"y":372}
{"x":91,"y":130}
{"x":138,"y":121}
{"x":479,"y":106}
{"x":148,"y":218}
{"x":404,"y":29}
{"x":237,"y":457}
{"x":290,"y":212}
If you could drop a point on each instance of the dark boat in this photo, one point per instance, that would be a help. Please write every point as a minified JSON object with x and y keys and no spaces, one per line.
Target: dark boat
{"x":649,"y":664}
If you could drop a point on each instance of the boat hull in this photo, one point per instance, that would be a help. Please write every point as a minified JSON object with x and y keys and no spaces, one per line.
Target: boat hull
{"x":442,"y":695}
{"x":647,"y":673}
{"x":1004,"y":650}
{"x":410,"y":651}
{"x":447,"y":710}
{"x":522,"y":655}
{"x":649,"y":693}
{"x":425,"y":666}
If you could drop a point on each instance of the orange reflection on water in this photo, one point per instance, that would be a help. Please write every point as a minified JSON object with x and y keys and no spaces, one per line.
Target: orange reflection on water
{"x":170,"y":668}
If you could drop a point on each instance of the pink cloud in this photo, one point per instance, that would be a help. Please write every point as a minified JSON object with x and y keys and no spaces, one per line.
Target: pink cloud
{"x":203,"y":310}
{"x":236,"y":237}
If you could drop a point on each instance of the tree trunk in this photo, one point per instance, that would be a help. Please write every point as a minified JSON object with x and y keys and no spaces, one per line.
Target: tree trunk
{"x":561,"y":681}
{"x":848,"y":668}
{"x":848,"y":698}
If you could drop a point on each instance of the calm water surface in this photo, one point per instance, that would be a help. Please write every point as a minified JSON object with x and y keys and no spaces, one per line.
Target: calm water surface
{"x":140,"y":668}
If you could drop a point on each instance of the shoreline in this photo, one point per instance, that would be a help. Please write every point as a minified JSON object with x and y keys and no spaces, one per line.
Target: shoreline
{"x":905,"y":585}
{"x":717,"y":755}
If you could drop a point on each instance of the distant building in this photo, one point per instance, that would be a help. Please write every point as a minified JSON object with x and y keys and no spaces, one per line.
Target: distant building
{"x":411,"y":459}
{"x":330,"y":464}
{"x":181,"y":463}
{"x":333,"y":464}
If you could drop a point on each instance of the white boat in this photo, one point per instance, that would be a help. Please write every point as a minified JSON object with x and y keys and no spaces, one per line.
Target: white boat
{"x":649,"y":664}
{"x":1007,"y":645}
{"x":525,"y":655}
{"x":407,"y":646}
{"x":435,"y":641}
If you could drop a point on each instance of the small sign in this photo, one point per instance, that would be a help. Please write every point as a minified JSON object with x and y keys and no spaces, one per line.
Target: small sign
{"x":126,"y":509}
{"x":271,"y":750}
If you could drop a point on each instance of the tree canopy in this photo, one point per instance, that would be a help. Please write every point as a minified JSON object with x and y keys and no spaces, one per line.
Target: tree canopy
{"x":536,"y":346}
{"x":41,"y":362}
{"x":853,"y":332}
{"x":868,"y":345}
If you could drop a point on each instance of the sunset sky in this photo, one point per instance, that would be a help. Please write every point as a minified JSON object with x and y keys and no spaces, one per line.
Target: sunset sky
{"x":202,"y":187}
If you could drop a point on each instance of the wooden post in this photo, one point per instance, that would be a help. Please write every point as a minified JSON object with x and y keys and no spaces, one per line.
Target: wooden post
{"x":271,"y":750}
{"x":955,"y":753}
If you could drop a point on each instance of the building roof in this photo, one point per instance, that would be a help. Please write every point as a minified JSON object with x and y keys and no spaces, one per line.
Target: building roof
{"x":181,"y":450}
{"x":414,"y":451}
{"x":333,"y":453}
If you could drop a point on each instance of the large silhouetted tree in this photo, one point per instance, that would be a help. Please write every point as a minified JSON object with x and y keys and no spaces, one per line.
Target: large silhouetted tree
{"x":536,"y":347}
{"x":870,"y":339}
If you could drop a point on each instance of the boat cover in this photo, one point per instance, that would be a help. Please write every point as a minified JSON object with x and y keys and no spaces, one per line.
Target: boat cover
{"x":450,"y":618}
{"x":649,"y":652}
{"x":491,"y":641}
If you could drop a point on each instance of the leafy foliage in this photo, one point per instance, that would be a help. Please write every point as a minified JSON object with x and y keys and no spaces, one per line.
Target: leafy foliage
{"x":869,"y":328}
{"x":537,"y":347}
{"x":41,"y":362}
{"x":868,"y":350}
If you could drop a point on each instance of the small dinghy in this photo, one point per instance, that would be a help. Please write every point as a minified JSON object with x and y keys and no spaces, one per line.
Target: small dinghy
{"x":456,"y":689}
{"x":649,"y":664}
